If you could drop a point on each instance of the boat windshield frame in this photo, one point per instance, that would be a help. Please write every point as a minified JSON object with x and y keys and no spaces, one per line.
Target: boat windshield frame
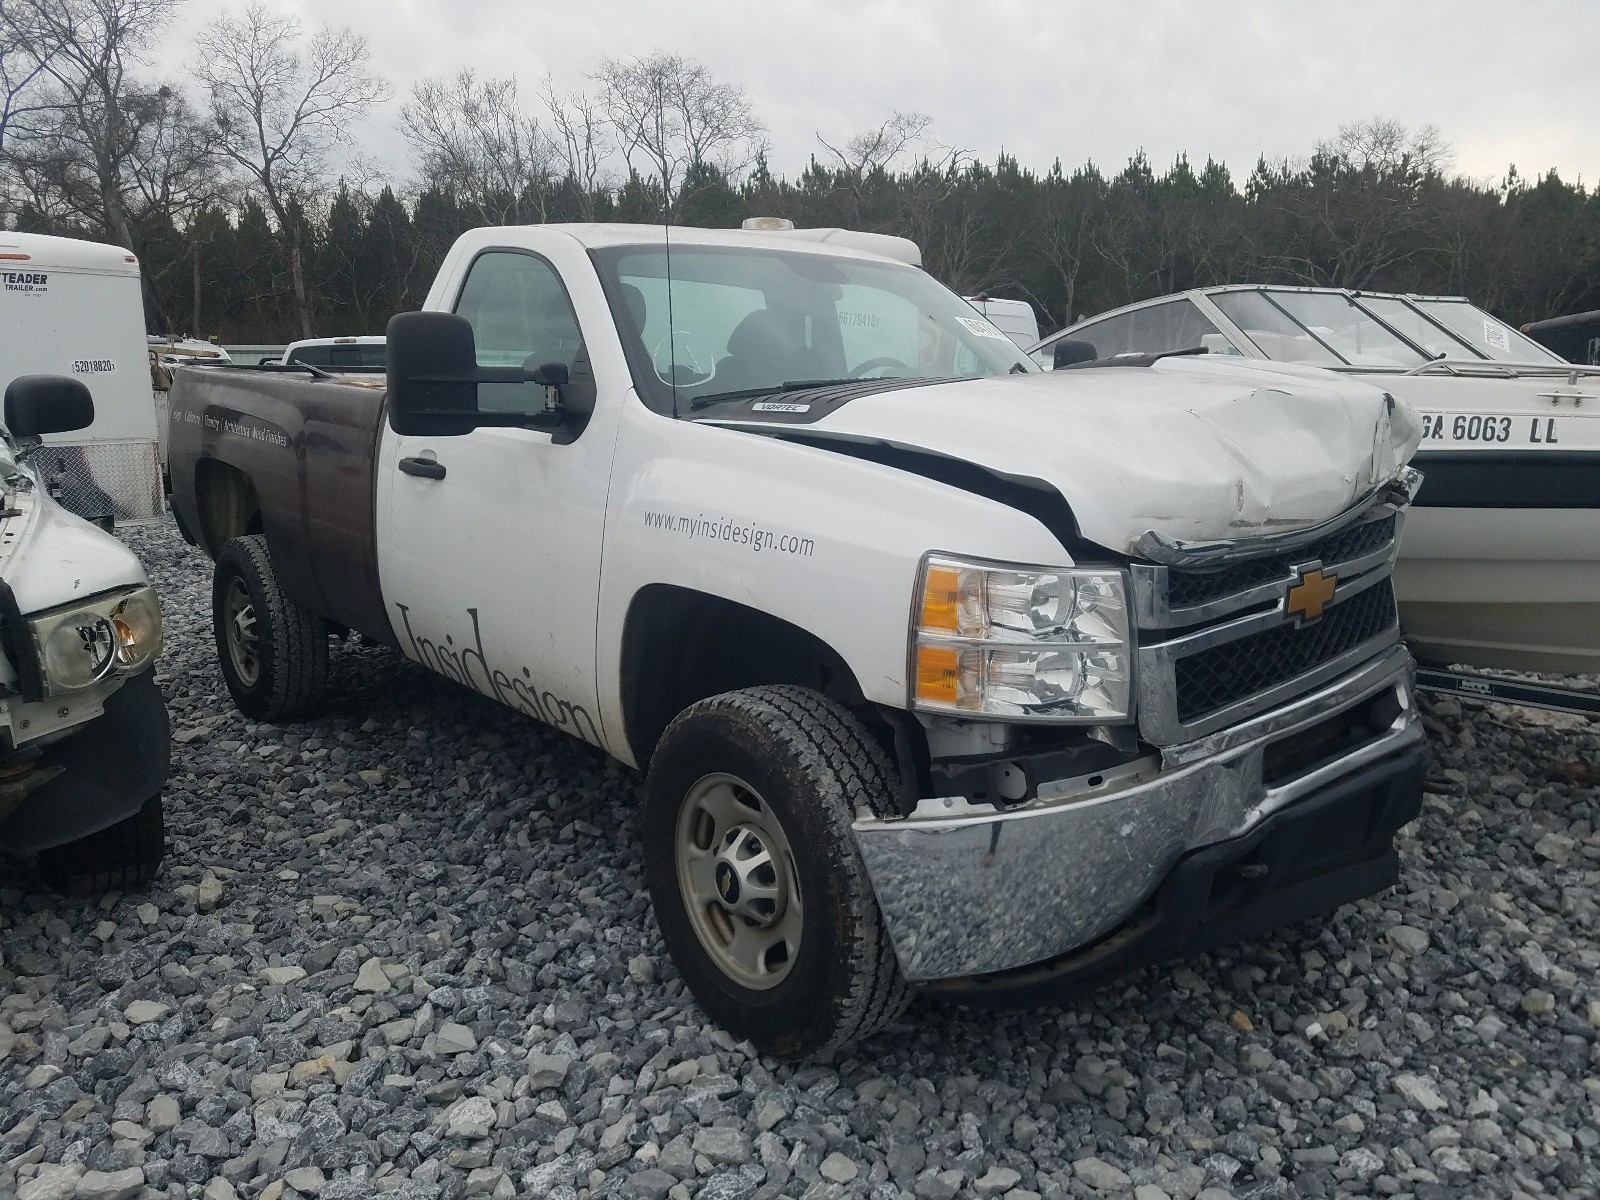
{"x":1460,"y":349}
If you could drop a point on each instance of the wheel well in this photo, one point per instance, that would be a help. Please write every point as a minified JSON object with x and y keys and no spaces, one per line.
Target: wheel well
{"x":680,"y":646}
{"x":227,"y":503}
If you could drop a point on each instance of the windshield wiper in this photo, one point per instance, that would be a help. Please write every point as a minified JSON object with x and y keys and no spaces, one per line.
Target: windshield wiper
{"x":789,"y":385}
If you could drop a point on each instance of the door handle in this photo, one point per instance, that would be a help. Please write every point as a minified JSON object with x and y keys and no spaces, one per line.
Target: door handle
{"x":422,"y":468}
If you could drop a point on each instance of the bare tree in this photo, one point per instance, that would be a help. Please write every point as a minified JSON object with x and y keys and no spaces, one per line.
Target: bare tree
{"x":1360,"y":210}
{"x":173,"y":176}
{"x":580,"y":144}
{"x":670,"y":114}
{"x":85,"y":48}
{"x":873,"y":150}
{"x":472,"y":137}
{"x":24,"y":56}
{"x":165,"y":162}
{"x":281,"y":109}
{"x":1390,"y":148}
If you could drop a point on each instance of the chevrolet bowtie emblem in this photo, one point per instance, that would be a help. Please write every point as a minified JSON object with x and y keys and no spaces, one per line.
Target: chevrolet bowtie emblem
{"x":1310,"y":594}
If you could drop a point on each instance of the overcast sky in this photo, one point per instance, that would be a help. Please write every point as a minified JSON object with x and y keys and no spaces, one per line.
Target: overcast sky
{"x":1042,"y":79}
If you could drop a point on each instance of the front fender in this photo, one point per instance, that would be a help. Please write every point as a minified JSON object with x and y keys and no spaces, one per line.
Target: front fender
{"x":829,"y":543}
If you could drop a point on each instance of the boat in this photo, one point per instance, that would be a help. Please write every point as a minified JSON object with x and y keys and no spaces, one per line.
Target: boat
{"x":1499,"y":565}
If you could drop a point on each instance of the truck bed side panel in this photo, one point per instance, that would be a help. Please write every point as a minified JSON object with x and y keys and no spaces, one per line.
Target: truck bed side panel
{"x":307,"y":448}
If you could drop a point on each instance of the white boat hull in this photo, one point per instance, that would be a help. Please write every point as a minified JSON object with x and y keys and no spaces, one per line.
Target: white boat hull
{"x":1513,"y":588}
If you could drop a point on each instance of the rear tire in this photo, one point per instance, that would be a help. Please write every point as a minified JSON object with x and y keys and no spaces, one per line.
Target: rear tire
{"x":125,"y":855}
{"x":752,"y":868}
{"x":273,"y":653}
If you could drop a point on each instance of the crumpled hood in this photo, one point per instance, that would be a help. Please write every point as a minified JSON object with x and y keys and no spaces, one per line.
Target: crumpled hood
{"x":1196,"y":450}
{"x":51,"y":557}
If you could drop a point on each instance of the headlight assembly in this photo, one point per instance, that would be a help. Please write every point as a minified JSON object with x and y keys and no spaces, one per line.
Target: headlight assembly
{"x":1023,"y":643}
{"x":81,"y":644}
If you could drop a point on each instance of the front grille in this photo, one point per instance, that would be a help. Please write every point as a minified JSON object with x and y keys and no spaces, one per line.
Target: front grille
{"x":1189,"y":589}
{"x":1223,"y":675}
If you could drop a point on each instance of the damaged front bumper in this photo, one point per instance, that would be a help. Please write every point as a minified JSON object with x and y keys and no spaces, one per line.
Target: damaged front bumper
{"x":979,"y":891}
{"x":101,"y":774}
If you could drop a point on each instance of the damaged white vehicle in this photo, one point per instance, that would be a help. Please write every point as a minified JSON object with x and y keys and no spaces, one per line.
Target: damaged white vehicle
{"x":83,"y":727}
{"x":948,"y":674}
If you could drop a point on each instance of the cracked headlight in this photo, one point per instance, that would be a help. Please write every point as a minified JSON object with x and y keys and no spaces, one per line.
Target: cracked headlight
{"x":1024,"y":643}
{"x":78,"y":645}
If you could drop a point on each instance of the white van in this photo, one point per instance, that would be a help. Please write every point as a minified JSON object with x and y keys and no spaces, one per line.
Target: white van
{"x":1014,"y":318}
{"x":74,"y":308}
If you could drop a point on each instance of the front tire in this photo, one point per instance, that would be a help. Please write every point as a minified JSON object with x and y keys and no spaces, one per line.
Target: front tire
{"x":121,"y":856}
{"x":752,"y":868}
{"x":273,"y":653}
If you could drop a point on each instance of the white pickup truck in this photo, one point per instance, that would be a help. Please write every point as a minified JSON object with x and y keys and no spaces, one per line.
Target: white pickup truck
{"x":948,"y":674}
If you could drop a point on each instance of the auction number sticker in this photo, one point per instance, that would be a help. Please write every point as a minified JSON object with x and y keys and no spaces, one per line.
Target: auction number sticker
{"x":983,"y":329}
{"x":1568,"y":431}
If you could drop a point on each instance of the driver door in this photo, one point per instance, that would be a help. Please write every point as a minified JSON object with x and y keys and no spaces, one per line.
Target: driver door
{"x":490,"y":564}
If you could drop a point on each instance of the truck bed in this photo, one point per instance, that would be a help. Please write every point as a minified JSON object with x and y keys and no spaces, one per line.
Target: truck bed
{"x":292,"y":457}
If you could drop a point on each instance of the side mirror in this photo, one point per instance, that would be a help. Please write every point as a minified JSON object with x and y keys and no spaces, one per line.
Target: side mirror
{"x":1068,"y":352}
{"x":40,"y":404}
{"x":433,"y":374}
{"x":433,"y":378}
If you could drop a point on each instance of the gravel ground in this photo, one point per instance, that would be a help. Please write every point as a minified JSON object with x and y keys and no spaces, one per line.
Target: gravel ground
{"x":405,"y":948}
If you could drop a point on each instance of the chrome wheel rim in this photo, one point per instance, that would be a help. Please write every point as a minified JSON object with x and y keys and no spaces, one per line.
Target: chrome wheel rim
{"x":239,"y":627}
{"x":737,"y":879}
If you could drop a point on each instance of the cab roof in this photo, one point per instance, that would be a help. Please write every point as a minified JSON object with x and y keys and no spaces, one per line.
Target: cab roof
{"x":845,"y":243}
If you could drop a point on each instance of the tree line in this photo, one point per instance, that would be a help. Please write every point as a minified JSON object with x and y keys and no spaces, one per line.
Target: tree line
{"x":256,"y":217}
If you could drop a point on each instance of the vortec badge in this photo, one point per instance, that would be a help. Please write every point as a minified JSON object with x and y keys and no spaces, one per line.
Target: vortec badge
{"x":1309,"y":594}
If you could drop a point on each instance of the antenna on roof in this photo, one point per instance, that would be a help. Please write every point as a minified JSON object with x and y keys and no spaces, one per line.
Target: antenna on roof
{"x":672,"y":329}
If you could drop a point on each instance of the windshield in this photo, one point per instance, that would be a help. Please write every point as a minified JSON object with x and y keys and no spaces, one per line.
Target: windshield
{"x":1332,"y":328}
{"x":1348,"y":330}
{"x":742,"y":321}
{"x":1485,"y":335}
{"x":1273,"y":330}
{"x":1437,"y":341}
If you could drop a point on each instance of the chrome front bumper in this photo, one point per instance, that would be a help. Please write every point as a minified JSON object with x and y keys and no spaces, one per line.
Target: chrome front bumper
{"x":979,"y":891}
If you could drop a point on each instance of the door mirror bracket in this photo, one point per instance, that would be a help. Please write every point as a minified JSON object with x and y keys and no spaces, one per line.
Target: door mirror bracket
{"x":553,"y":376}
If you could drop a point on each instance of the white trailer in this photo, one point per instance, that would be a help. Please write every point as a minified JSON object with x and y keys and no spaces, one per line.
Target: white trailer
{"x":74,"y":308}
